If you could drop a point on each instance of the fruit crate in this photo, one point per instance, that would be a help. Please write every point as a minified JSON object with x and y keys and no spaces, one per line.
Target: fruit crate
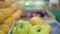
{"x":10,"y":31}
{"x":13,"y":25}
{"x":31,"y":12}
{"x":52,"y":16}
{"x":53,"y":25}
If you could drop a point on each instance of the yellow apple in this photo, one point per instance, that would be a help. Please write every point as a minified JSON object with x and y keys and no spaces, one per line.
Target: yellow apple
{"x":36,"y":20}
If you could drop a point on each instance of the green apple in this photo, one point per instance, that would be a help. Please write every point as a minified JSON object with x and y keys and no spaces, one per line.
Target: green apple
{"x":14,"y":31}
{"x":40,"y":29}
{"x":47,"y":27}
{"x":23,"y":27}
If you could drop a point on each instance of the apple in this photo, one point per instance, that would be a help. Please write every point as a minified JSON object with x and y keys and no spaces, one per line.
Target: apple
{"x":14,"y":31}
{"x":47,"y":27}
{"x":36,"y":20}
{"x":23,"y":27}
{"x":40,"y":29}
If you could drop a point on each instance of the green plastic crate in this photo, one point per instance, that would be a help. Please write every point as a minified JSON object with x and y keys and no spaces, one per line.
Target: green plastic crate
{"x":56,"y":13}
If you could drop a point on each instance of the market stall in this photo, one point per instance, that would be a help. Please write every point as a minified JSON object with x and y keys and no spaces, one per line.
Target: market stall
{"x":28,"y":17}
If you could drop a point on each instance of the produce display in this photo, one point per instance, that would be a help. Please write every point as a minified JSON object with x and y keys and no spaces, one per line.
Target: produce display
{"x":26,"y":17}
{"x":21,"y":28}
{"x":9,"y":13}
{"x":6,"y":24}
{"x":35,"y":25}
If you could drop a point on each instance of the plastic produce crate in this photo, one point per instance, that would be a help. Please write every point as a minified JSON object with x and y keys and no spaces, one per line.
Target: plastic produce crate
{"x":56,"y":13}
{"x":13,"y":25}
{"x":31,"y":12}
{"x":55,"y":26}
{"x":52,"y":16}
{"x":11,"y":28}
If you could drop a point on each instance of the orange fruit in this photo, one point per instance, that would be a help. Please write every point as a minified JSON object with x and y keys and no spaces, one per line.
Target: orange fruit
{"x":16,"y":14}
{"x":7,"y":12}
{"x":1,"y":32}
{"x":4,"y":28}
{"x":9,"y":21}
{"x":1,"y":18}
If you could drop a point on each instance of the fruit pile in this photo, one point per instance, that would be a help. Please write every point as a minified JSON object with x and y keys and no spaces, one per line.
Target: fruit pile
{"x":7,"y":18}
{"x":31,"y":13}
{"x":9,"y":13}
{"x":34,"y":26}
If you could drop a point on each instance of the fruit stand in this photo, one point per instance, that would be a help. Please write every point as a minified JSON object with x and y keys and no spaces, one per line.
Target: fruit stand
{"x":27,"y":17}
{"x":53,"y":24}
{"x":49,"y":20}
